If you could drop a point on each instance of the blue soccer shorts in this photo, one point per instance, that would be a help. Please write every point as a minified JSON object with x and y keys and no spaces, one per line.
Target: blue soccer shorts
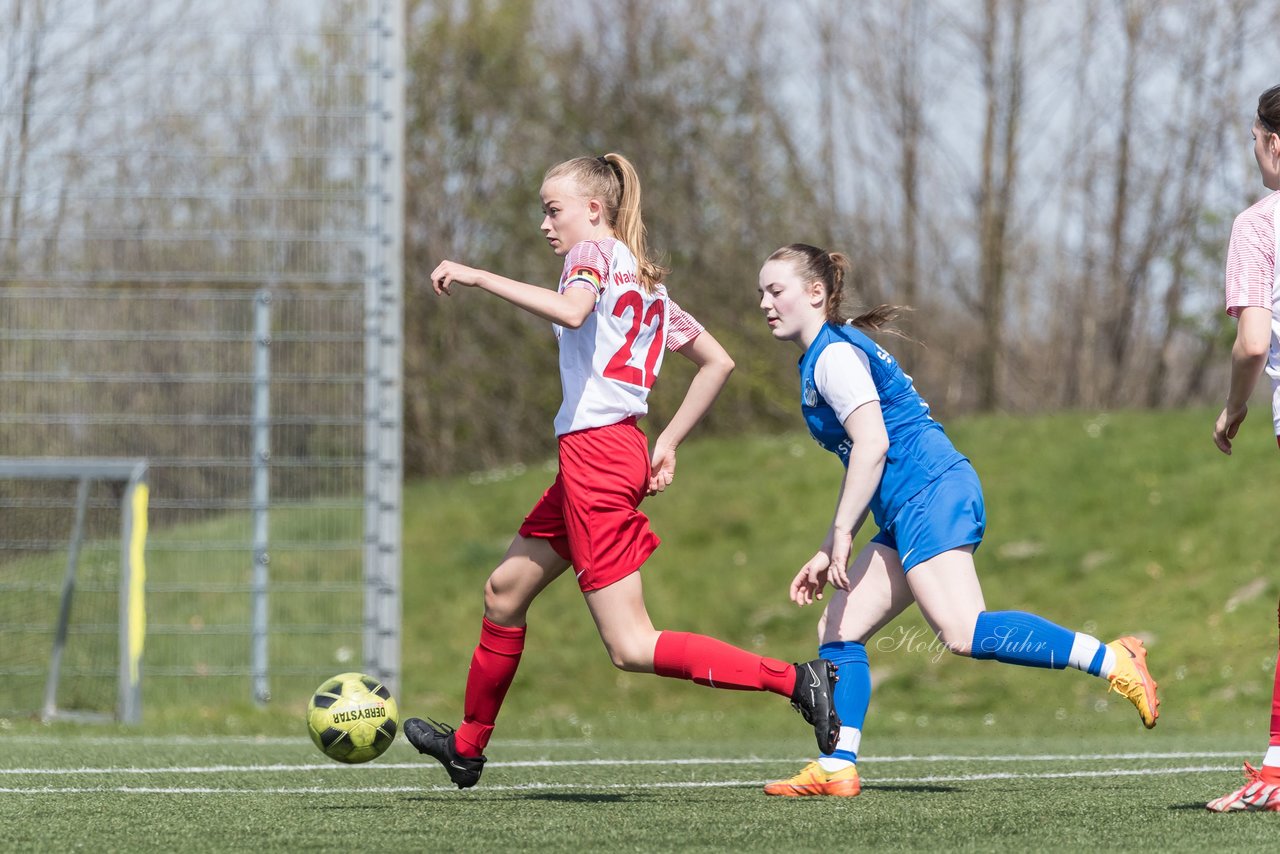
{"x":947,"y":514}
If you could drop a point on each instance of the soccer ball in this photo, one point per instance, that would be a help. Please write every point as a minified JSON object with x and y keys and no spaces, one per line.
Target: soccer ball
{"x":352,"y":718}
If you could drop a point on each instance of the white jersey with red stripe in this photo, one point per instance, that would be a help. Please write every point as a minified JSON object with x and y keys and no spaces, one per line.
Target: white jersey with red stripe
{"x":1251,"y":278}
{"x":608,"y":364}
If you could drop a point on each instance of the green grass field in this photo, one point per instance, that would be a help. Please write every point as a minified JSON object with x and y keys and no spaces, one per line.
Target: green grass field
{"x":980,"y":793}
{"x":1112,"y":524}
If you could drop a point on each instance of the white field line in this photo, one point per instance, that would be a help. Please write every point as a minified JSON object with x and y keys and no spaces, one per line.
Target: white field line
{"x":185,"y":740}
{"x":578,"y":763}
{"x":523,"y":787}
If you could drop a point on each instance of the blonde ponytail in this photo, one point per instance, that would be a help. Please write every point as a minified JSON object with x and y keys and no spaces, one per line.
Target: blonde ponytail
{"x":629,"y":225}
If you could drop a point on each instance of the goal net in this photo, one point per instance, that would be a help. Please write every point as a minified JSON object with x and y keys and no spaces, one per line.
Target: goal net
{"x":72,"y":578}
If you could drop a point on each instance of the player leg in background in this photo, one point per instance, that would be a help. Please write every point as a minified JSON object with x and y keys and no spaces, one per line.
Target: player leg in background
{"x":528,"y":567}
{"x":946,"y":587}
{"x":1261,"y":789}
{"x":878,"y":593}
{"x":634,"y":645}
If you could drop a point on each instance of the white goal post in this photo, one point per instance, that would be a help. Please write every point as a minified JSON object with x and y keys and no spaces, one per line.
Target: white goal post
{"x":131,"y":629}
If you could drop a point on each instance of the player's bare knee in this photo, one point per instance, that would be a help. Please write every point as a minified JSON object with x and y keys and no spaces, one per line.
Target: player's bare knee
{"x":632,"y":654}
{"x":492,"y":596}
{"x":626,"y":658}
{"x":501,"y":605}
{"x":628,"y":665}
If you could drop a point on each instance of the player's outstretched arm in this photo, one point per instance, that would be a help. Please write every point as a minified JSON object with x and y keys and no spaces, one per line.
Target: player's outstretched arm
{"x":569,"y":309}
{"x":714,"y":367}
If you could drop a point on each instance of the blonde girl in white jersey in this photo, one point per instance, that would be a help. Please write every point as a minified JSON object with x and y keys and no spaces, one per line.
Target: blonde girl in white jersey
{"x":613,"y":320}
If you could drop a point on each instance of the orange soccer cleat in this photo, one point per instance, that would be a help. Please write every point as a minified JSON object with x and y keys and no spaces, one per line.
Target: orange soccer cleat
{"x":813,"y":780}
{"x":1131,"y":679}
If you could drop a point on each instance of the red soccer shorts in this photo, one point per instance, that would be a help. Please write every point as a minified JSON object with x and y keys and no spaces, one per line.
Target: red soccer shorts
{"x":590,"y":514}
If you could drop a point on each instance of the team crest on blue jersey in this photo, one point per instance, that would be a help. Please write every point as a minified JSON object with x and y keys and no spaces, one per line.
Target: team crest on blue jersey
{"x":809,"y":395}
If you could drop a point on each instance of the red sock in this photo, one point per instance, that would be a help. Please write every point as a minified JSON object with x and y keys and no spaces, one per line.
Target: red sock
{"x":707,"y":661}
{"x":1275,"y":701}
{"x":1270,"y":772}
{"x":493,"y":666}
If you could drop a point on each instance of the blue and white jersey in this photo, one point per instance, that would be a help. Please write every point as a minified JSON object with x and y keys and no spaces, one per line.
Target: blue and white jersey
{"x":919,"y":450}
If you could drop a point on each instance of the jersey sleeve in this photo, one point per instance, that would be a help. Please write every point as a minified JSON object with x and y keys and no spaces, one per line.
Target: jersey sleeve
{"x":1251,"y":262}
{"x":585,"y":266}
{"x":842,"y":376}
{"x":682,"y":327}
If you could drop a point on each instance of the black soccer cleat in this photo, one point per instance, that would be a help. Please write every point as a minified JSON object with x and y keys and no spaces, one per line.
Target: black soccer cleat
{"x":814,"y":699}
{"x":436,"y":740}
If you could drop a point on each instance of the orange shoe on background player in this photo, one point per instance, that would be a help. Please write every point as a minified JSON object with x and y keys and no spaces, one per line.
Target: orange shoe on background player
{"x":814,"y":780}
{"x":1131,"y":679}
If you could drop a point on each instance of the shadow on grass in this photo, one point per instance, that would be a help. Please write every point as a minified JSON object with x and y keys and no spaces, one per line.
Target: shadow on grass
{"x":908,"y":788}
{"x":583,"y":798}
{"x":559,"y":797}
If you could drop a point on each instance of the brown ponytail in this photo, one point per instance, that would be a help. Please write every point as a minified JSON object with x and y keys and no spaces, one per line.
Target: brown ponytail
{"x":1269,"y":110}
{"x":831,"y":268}
{"x":614,"y":181}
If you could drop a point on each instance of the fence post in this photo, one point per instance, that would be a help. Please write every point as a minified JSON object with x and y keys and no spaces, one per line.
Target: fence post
{"x":384,"y":465}
{"x":261,"y":489}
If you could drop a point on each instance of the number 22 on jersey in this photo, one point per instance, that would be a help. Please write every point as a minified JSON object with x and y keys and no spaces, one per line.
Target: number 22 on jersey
{"x":619,"y":367}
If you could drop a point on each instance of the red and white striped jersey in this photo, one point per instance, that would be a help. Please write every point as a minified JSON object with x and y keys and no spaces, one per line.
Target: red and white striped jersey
{"x":608,"y":364}
{"x":1251,"y":279}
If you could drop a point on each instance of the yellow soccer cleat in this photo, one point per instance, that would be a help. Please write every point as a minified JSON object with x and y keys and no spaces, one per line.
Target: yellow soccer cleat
{"x":812,"y":780}
{"x":1131,"y":679}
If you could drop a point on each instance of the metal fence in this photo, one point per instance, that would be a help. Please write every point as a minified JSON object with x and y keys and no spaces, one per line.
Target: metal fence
{"x":200,"y":265}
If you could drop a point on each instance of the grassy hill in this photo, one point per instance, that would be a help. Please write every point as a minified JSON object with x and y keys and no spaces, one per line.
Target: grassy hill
{"x":1108,"y":523}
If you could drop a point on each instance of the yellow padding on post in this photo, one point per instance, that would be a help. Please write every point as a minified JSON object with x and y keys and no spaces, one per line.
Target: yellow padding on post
{"x":137,"y":580}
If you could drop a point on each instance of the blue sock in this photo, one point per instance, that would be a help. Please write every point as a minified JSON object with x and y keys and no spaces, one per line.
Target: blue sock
{"x":852,"y":694}
{"x":1095,"y":663}
{"x":1016,"y":637}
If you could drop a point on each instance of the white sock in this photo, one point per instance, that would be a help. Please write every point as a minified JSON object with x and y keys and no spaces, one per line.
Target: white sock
{"x":1084,"y":649}
{"x":1272,"y":758}
{"x":849,"y":741}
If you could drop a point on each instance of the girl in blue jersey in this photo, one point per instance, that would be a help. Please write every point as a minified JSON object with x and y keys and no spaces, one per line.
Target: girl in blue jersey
{"x":927,"y":502}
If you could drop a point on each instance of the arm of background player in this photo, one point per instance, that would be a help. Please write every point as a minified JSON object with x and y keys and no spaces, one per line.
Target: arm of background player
{"x":865,"y":426}
{"x":1248,"y":357}
{"x":714,"y":367}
